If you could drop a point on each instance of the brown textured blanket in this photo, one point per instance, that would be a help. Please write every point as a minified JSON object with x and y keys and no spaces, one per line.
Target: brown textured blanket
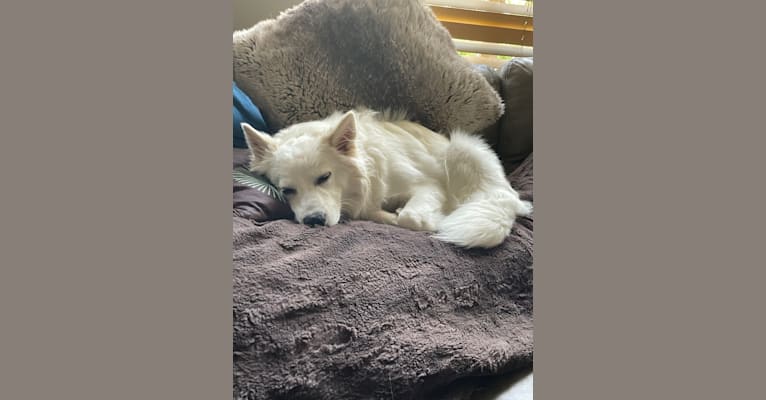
{"x":367,"y":311}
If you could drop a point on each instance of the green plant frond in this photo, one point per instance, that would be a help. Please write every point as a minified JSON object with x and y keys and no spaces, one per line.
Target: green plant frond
{"x":247,"y":178}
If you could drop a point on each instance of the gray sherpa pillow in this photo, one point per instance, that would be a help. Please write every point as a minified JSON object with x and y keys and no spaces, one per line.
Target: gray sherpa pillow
{"x":328,"y":55}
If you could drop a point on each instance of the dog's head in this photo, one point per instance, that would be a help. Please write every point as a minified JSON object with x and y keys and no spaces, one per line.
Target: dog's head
{"x":311,"y":163}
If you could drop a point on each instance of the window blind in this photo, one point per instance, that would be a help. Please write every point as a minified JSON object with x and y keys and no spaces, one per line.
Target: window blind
{"x":488,"y":31}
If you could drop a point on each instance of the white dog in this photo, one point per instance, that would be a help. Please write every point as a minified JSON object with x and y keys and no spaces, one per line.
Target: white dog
{"x":376,"y":167}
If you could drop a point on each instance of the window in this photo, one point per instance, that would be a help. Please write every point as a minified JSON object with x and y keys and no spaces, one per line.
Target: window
{"x":488,"y":31}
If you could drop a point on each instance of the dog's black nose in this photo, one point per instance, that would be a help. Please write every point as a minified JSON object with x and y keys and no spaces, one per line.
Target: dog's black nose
{"x":314,"y":219}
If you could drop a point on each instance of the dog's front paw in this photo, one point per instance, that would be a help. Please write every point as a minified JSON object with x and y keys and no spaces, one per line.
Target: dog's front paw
{"x":417,"y":222}
{"x":383,"y":217}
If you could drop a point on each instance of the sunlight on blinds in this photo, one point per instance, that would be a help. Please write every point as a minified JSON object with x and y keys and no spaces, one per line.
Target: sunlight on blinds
{"x":488,"y":31}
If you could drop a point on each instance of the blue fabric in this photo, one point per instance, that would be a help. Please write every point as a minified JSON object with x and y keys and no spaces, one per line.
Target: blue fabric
{"x":245,"y":111}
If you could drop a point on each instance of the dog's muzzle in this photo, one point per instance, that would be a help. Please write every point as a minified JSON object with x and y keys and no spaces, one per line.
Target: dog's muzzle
{"x":314,"y":219}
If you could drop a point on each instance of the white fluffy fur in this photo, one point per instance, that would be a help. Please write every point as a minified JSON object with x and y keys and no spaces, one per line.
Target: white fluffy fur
{"x":389,"y":170}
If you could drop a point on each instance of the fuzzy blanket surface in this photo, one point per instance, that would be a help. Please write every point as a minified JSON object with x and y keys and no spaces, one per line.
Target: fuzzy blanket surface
{"x":368,"y":311}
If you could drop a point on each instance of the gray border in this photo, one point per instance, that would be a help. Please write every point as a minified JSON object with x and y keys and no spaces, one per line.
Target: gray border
{"x":116,"y":221}
{"x":648,"y":180}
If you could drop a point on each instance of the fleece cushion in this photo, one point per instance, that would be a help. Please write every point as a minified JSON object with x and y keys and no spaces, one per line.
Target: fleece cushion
{"x":515,"y":131}
{"x":328,"y":55}
{"x":490,"y":133}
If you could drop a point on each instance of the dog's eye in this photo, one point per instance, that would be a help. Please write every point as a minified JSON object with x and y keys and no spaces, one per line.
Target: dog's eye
{"x":322,"y":179}
{"x":288,"y":191}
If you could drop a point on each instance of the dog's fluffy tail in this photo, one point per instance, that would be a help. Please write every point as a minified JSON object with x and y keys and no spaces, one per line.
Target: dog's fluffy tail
{"x":486,"y":205}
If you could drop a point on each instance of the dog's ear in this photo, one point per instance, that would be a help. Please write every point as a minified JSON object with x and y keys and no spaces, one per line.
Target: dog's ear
{"x":261,"y":144}
{"x":342,"y":138}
